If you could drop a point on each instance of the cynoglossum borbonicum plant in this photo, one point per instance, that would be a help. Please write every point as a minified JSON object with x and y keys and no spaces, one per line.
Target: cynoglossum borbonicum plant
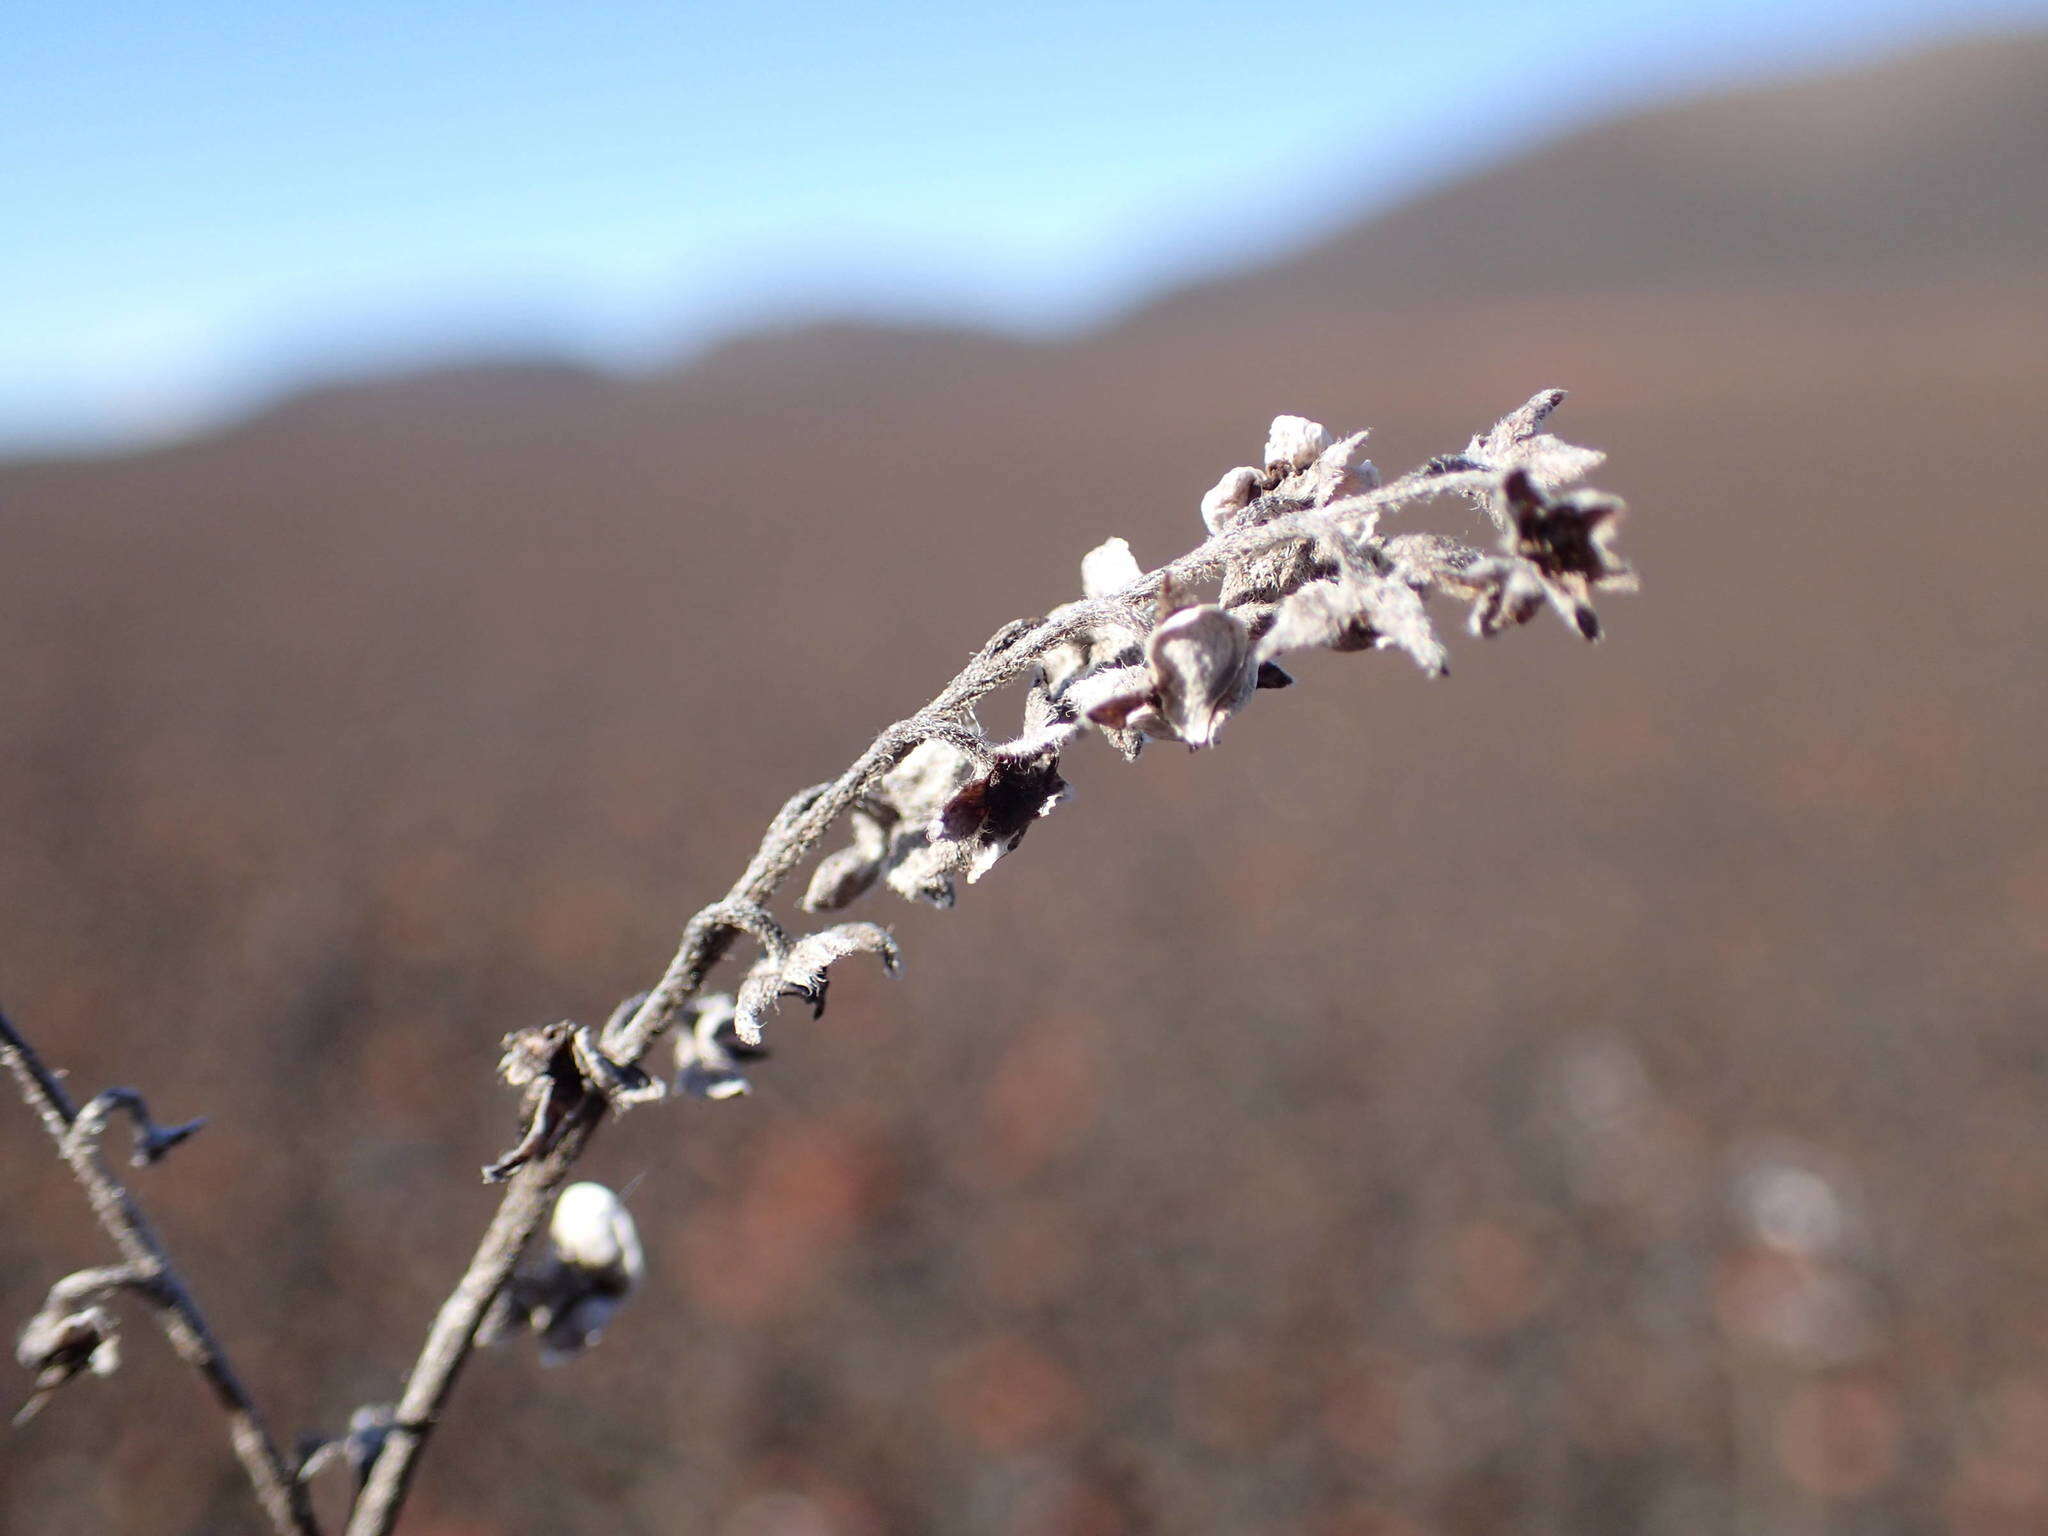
{"x":1303,"y":551}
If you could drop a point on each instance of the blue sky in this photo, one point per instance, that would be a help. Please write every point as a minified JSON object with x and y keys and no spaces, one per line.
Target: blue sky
{"x":208,"y":202}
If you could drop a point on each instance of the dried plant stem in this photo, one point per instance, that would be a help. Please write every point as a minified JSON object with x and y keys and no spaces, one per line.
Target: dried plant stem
{"x":545,"y":1157}
{"x":1294,"y":550}
{"x":524,"y":1208}
{"x":521,"y":1213}
{"x":151,"y":1275}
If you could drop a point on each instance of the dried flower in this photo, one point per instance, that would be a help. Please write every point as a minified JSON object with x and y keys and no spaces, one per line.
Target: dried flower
{"x":60,"y":1345}
{"x":709,"y":1051}
{"x":570,"y":1293}
{"x":944,"y":811}
{"x":1568,"y":543}
{"x":1198,"y":670}
{"x":541,"y":1063}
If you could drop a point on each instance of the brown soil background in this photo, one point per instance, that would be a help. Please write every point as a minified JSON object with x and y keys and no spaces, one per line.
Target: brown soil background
{"x":1605,"y":1091}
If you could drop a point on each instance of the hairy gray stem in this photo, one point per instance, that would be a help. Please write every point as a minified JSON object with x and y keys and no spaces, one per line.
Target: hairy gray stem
{"x":791,"y":837}
{"x":707,"y":937}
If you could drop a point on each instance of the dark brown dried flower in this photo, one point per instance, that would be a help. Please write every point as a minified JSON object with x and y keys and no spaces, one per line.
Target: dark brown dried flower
{"x":999,"y":806}
{"x":1568,"y":542}
{"x":945,"y":811}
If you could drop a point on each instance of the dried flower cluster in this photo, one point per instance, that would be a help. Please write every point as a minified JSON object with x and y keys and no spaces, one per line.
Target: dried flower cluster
{"x":1143,"y":659}
{"x":1295,"y":559}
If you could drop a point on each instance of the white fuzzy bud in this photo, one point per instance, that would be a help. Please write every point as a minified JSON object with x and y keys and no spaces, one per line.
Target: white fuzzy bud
{"x":593,"y":1231}
{"x":1228,"y":497}
{"x":1296,"y":441}
{"x":1109,"y":567}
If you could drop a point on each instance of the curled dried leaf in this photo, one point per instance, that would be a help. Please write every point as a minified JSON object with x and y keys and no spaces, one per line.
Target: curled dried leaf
{"x":890,"y":840}
{"x":810,"y":957}
{"x":541,"y":1063}
{"x":1355,"y":613}
{"x":760,"y":994}
{"x":623,"y":1084}
{"x":152,"y":1140}
{"x":802,"y":973}
{"x":369,"y":1427}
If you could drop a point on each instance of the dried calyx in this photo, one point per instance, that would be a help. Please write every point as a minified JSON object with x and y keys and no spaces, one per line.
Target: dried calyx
{"x":948,"y":812}
{"x":59,"y":1345}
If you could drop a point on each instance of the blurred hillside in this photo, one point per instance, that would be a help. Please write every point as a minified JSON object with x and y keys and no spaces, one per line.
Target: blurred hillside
{"x":1603,"y":1091}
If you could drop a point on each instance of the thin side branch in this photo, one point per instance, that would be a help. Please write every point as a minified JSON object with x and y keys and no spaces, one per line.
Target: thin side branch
{"x":147,"y":1271}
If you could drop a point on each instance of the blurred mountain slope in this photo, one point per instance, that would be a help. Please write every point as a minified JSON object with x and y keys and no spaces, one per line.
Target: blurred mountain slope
{"x":1928,"y":168}
{"x":1226,"y":1118}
